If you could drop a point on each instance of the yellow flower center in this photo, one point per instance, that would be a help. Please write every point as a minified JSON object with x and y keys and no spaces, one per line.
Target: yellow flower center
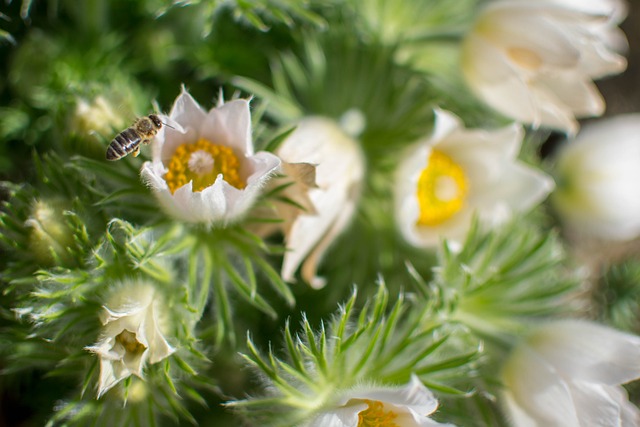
{"x":442,"y":188}
{"x":376,"y":416}
{"x":130,"y":343}
{"x":201,"y":163}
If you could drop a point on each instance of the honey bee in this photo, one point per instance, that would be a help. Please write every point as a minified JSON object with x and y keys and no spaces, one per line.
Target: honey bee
{"x":129,"y":140}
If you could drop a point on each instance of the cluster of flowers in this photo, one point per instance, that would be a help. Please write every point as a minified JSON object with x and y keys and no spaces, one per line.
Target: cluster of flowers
{"x":531,"y":61}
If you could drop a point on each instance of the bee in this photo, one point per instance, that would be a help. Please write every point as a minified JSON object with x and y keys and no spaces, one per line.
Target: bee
{"x":129,"y":140}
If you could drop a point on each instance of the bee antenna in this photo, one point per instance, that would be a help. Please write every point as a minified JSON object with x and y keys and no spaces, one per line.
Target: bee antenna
{"x":168,"y":125}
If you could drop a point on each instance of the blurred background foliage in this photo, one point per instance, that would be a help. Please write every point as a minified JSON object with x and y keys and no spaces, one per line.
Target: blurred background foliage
{"x":74,"y":73}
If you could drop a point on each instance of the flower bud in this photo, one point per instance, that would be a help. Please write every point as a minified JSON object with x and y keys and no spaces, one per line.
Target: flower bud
{"x":134,"y":321}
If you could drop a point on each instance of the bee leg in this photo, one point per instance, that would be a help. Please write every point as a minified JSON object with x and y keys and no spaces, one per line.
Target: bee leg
{"x":136,"y":151}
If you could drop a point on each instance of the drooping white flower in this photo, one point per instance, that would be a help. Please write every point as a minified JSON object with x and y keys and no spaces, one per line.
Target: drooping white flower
{"x":569,"y":373}
{"x":328,"y":194}
{"x":207,"y":173}
{"x":598,"y":175}
{"x":406,"y":406}
{"x":443,"y":181}
{"x":132,"y":335}
{"x":534,"y":61}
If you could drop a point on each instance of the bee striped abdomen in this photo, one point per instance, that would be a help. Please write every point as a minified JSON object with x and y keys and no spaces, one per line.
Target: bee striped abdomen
{"x":129,"y":140}
{"x":123,"y":144}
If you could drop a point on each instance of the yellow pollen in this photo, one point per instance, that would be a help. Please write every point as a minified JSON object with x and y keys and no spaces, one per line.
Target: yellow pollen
{"x":442,"y":188}
{"x":201,"y":163}
{"x":376,"y":416}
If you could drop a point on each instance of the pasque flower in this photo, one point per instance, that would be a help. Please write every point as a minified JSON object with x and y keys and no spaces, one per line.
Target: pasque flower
{"x":456,"y":173}
{"x":598,"y":176}
{"x":534,"y":61}
{"x":133,"y":321}
{"x":569,"y":373}
{"x":326,"y":167}
{"x":207,"y":171}
{"x":406,"y":406}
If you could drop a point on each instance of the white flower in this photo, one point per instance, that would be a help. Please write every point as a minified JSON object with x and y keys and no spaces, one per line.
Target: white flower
{"x":329,"y":196}
{"x":407,"y":406}
{"x":208,"y":173}
{"x":131,"y":336}
{"x":568,"y":373}
{"x":598,"y":175}
{"x":444,"y":180}
{"x":534,"y":61}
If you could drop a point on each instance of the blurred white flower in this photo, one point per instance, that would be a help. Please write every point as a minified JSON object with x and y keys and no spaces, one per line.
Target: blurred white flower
{"x":443,"y":181}
{"x":534,"y":61}
{"x":327,"y":167}
{"x":568,"y":373}
{"x":598,"y":175}
{"x":50,"y":237}
{"x":407,"y":406}
{"x":207,"y":173}
{"x":96,"y":116}
{"x":133,"y":320}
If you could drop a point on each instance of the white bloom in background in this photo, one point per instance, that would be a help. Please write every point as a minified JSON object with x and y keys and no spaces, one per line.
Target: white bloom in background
{"x":208,"y":173}
{"x":407,"y":406}
{"x":569,"y":373}
{"x":444,"y":180}
{"x":329,"y":194}
{"x":534,"y":61}
{"x":50,"y":237}
{"x":598,"y":175}
{"x":133,"y":320}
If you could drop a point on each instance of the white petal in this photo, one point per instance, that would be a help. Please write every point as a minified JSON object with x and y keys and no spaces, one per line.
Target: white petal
{"x":342,"y":220}
{"x":344,"y":416}
{"x":108,"y":377}
{"x":520,"y":187}
{"x":615,"y":9}
{"x":598,"y":405}
{"x":186,"y":111}
{"x":589,"y":351}
{"x":230,"y":125}
{"x":580,"y":95}
{"x":629,"y":413}
{"x":535,"y":389}
{"x":158,"y":347}
{"x":445,"y":124}
{"x":530,"y":28}
{"x":413,"y":395}
{"x":307,"y":230}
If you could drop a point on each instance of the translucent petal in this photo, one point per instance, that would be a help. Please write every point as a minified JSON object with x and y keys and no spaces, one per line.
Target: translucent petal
{"x":537,"y":390}
{"x":230,"y":125}
{"x":588,"y":351}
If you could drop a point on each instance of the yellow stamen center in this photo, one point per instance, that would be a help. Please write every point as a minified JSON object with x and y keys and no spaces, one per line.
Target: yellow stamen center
{"x":376,"y":416}
{"x":130,"y":343}
{"x":201,"y":163}
{"x":442,"y":188}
